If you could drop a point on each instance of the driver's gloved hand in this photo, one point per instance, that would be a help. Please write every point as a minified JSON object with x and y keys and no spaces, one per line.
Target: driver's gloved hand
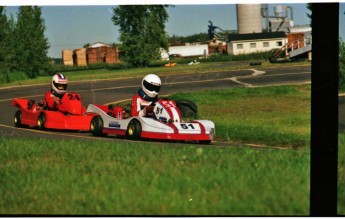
{"x":111,"y":106}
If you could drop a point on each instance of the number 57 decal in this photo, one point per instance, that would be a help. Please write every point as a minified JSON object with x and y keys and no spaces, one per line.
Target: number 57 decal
{"x":187,"y":126}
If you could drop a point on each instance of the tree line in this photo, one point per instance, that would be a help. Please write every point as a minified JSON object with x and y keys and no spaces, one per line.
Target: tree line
{"x":23,"y":45}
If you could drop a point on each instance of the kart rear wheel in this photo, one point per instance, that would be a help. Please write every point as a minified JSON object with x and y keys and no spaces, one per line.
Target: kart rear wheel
{"x":205,"y":142}
{"x":96,"y":126}
{"x":187,"y":108}
{"x":18,"y":119}
{"x":41,"y":121}
{"x":134,"y":130}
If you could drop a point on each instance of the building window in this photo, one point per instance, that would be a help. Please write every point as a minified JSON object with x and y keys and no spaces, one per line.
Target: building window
{"x":266,"y":44}
{"x":239,"y":46}
{"x":252,"y":45}
{"x":279,"y":43}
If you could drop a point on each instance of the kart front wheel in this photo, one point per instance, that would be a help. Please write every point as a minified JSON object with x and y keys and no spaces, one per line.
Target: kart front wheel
{"x":18,"y":119}
{"x":41,"y":121}
{"x":134,"y":130}
{"x":96,"y":126}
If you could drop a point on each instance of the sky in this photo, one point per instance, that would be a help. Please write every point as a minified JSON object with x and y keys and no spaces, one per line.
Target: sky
{"x":71,"y":27}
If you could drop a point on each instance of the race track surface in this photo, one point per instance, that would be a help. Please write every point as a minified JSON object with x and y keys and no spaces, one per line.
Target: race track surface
{"x":109,"y":91}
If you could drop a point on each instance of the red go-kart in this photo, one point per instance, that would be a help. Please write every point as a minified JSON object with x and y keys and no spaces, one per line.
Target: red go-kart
{"x":30,"y":113}
{"x":164,"y":123}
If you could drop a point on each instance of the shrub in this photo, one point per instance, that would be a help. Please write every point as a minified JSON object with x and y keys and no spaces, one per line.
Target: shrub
{"x":341,"y":66}
{"x":7,"y":77}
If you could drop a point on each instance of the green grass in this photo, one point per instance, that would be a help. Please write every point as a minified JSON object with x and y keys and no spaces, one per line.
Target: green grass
{"x":40,"y":176}
{"x":341,"y":174}
{"x":274,"y":116}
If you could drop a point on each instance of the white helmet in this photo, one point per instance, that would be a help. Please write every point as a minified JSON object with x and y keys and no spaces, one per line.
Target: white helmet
{"x":59,"y":83}
{"x":151,"y":85}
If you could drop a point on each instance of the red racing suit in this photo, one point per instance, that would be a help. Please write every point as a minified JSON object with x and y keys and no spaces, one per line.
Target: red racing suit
{"x":53,"y":102}
{"x":141,"y":104}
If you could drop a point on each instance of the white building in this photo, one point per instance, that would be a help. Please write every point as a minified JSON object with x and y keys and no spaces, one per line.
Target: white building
{"x":189,"y":50}
{"x":255,"y":42}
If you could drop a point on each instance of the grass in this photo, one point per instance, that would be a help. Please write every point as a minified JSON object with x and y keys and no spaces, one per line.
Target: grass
{"x":76,"y":177}
{"x":275,"y":116}
{"x":80,"y":177}
{"x":341,"y":174}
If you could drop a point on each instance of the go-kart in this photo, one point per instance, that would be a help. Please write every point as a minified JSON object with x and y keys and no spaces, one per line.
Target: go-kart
{"x":163,"y":123}
{"x":32,"y":113}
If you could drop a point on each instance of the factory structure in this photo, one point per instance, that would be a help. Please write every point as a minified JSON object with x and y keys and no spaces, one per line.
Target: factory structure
{"x":278,"y":34}
{"x":258,"y":30}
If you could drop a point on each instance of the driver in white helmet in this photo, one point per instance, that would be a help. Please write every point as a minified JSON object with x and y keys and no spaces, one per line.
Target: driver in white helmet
{"x":58,"y":89}
{"x":147,"y":95}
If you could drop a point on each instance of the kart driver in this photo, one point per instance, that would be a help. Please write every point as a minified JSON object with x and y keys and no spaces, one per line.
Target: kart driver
{"x":58,"y":89}
{"x":147,"y":96}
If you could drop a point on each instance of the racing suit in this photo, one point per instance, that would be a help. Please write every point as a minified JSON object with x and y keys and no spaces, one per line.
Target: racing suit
{"x":53,"y":101}
{"x":142,"y":104}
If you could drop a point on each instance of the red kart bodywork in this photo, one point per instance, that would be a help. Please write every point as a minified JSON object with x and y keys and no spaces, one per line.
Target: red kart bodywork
{"x":75,"y":117}
{"x":162,"y":122}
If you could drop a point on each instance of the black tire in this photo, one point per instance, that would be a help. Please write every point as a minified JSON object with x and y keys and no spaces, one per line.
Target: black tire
{"x":190,"y":104}
{"x":186,"y":112}
{"x":205,"y":142}
{"x":187,"y":108}
{"x":134,"y":130}
{"x":41,"y":121}
{"x":18,"y":119}
{"x":96,"y":126}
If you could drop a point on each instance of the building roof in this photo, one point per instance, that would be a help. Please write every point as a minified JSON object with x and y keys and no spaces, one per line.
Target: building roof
{"x":98,"y":44}
{"x":256,"y":36}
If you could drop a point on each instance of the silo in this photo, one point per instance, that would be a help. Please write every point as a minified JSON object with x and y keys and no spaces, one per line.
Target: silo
{"x":249,"y":18}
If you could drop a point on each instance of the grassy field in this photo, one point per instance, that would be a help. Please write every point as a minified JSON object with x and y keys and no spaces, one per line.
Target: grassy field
{"x":341,"y":174}
{"x":98,"y":177}
{"x":129,"y":178}
{"x":274,"y":116}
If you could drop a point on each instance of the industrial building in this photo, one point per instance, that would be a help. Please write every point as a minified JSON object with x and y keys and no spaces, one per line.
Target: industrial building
{"x":189,"y":50}
{"x":278,"y":34}
{"x":258,"y":30}
{"x":255,"y":42}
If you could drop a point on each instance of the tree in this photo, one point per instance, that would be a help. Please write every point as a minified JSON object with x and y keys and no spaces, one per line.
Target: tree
{"x":31,"y":45}
{"x":142,"y":32}
{"x":341,"y":65}
{"x":5,"y":45}
{"x":200,"y":37}
{"x":309,"y":7}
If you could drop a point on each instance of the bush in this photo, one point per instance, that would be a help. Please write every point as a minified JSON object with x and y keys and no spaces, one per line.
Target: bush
{"x":63,"y":68}
{"x":7,"y":77}
{"x":341,"y":66}
{"x":17,"y":76}
{"x":120,"y":65}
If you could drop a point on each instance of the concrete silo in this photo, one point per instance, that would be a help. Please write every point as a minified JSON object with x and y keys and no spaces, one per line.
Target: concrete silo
{"x":249,"y":18}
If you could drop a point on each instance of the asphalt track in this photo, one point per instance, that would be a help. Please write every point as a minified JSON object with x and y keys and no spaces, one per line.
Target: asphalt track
{"x":110,"y":91}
